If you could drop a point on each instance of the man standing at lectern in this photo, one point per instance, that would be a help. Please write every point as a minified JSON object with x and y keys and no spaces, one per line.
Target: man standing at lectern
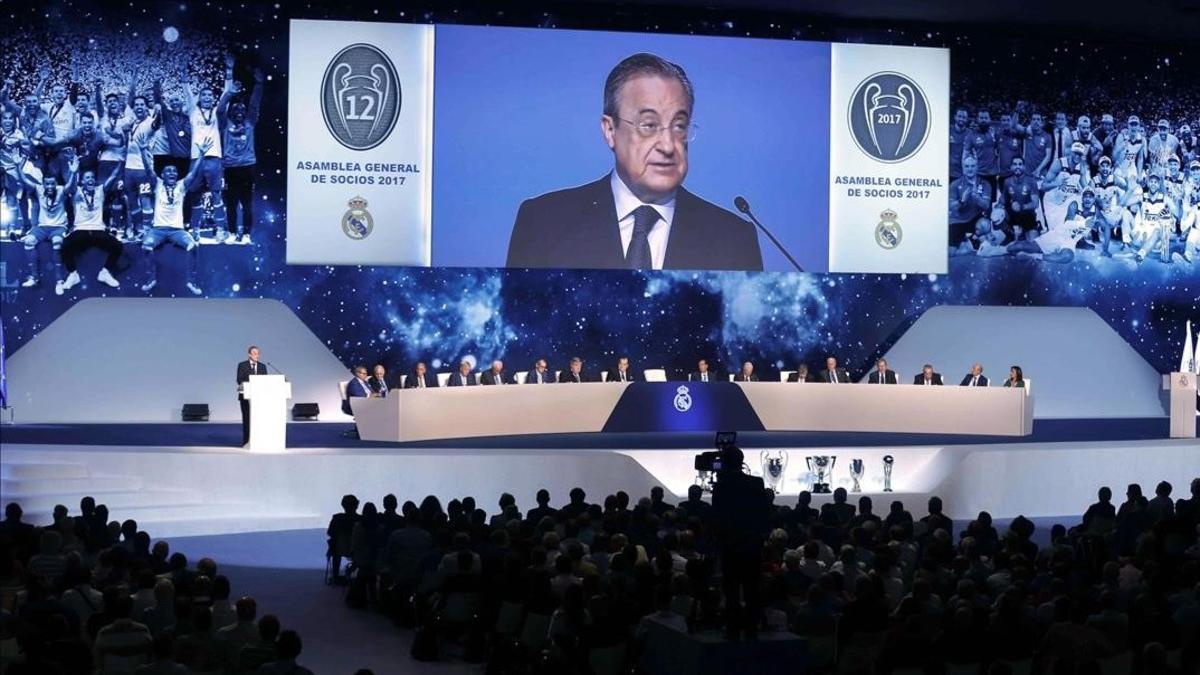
{"x":251,"y":366}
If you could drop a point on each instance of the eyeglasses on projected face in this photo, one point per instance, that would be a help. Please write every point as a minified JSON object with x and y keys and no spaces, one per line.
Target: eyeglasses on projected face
{"x":680,"y":130}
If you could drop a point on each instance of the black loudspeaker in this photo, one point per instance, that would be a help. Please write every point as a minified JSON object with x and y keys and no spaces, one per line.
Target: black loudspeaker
{"x":305,"y":411}
{"x":195,"y":412}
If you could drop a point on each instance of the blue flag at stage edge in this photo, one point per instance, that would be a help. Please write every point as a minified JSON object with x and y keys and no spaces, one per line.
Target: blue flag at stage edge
{"x":3,"y":371}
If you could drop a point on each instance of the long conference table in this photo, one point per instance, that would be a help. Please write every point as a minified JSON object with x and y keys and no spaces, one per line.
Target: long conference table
{"x":596,"y":407}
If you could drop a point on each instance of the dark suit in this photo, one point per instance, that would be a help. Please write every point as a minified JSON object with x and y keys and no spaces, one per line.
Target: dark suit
{"x":430,"y":380}
{"x":795,"y":377}
{"x":966,"y":381}
{"x":571,"y":378}
{"x":457,"y":380}
{"x":244,"y":370}
{"x":843,"y":376}
{"x":354,"y":388}
{"x":712,"y":377}
{"x":615,"y":376}
{"x":578,"y":227}
{"x":547,"y":377}
{"x":378,"y":386}
{"x":741,"y":377}
{"x":491,"y":377}
{"x":889,"y":377}
{"x":920,"y":379}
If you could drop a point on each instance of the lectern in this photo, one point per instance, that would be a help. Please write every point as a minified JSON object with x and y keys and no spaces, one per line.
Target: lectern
{"x":1183,"y":403}
{"x":268,"y":396}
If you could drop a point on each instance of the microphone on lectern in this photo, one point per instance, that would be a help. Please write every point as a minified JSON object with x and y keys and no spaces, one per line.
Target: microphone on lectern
{"x":744,"y":206}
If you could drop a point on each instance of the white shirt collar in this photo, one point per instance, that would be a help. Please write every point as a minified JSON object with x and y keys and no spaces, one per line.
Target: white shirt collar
{"x":626,"y":203}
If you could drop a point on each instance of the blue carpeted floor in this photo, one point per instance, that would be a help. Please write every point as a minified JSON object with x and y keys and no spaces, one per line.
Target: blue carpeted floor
{"x":331,"y":435}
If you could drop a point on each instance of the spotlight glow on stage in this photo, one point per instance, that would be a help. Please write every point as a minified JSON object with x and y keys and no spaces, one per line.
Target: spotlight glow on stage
{"x":170,"y":34}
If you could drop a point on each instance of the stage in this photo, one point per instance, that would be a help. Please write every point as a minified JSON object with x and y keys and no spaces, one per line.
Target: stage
{"x":191,"y":479}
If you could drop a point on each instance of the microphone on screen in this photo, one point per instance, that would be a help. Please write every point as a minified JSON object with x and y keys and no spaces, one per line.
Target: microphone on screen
{"x":744,"y":206}
{"x":272,"y":367}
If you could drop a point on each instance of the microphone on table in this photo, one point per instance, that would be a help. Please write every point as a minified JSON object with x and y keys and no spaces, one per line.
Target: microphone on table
{"x":744,"y":206}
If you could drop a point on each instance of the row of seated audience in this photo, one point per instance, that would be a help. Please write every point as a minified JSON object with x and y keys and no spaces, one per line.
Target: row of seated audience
{"x":88,"y":595}
{"x":568,"y":589}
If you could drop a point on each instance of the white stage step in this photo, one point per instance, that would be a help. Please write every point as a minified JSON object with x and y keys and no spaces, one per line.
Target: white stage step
{"x":41,"y":470}
{"x":79,"y":487}
{"x":116,"y":500}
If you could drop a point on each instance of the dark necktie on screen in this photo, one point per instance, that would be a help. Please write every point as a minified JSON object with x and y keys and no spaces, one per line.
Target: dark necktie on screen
{"x":638,"y":255}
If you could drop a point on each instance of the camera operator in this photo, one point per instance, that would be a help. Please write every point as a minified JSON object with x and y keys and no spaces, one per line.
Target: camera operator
{"x":740,"y":511}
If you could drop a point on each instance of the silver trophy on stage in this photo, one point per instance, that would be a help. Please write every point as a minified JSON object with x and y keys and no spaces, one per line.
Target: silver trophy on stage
{"x":888,"y":461}
{"x":822,"y":465}
{"x":773,"y":466}
{"x":856,"y":473}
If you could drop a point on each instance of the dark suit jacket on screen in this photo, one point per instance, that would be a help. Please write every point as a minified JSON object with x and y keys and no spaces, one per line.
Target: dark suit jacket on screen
{"x":569,"y":378}
{"x":966,"y":381}
{"x":795,"y":377}
{"x":843,"y":376}
{"x":614,"y":376}
{"x":740,"y":377}
{"x":712,"y":376}
{"x":889,"y":377}
{"x":577,"y":227}
{"x":920,"y":378}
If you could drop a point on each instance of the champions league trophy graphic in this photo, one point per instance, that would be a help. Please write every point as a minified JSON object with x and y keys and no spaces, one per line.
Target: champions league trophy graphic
{"x":856,"y":473}
{"x":822,"y":465}
{"x":888,"y":461}
{"x":773,"y":466}
{"x":361,"y":97}
{"x":890,"y":109}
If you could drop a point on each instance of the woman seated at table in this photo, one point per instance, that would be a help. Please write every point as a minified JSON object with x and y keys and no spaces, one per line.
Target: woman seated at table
{"x":1016,"y":378}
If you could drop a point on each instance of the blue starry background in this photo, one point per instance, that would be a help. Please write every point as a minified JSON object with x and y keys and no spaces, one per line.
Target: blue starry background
{"x":660,"y":319}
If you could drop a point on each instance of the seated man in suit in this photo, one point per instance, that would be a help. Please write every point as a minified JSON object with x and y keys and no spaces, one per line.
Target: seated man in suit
{"x":975,"y":378}
{"x":357,"y":387}
{"x":928,"y":377}
{"x":882,"y":374}
{"x":801,"y":375}
{"x":639,"y":216}
{"x":622,"y":373}
{"x":495,"y":374}
{"x":378,"y":381}
{"x":574,"y":372}
{"x":420,"y":378}
{"x":463,"y":377}
{"x":833,"y":374}
{"x":702,"y":374}
{"x":540,"y":374}
{"x":746,"y":374}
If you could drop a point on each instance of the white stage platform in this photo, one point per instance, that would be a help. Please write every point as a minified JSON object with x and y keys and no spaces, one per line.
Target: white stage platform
{"x":177,"y":491}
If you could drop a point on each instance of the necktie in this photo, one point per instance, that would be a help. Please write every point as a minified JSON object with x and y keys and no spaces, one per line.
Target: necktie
{"x":833,"y":373}
{"x":638,"y":255}
{"x":974,"y":381}
{"x":704,"y":377}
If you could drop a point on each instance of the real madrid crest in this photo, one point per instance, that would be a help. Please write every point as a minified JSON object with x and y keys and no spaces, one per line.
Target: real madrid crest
{"x":357,"y":223}
{"x":888,"y":233}
{"x":683,"y":400}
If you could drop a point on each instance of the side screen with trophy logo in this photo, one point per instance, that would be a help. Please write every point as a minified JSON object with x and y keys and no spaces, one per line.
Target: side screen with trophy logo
{"x":474,"y":146}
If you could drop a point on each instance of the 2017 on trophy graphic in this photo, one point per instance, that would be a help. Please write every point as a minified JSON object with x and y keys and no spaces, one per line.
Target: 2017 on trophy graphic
{"x":889,"y":117}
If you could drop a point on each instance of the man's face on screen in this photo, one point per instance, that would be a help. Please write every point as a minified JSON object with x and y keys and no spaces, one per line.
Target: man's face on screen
{"x":652,"y":166}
